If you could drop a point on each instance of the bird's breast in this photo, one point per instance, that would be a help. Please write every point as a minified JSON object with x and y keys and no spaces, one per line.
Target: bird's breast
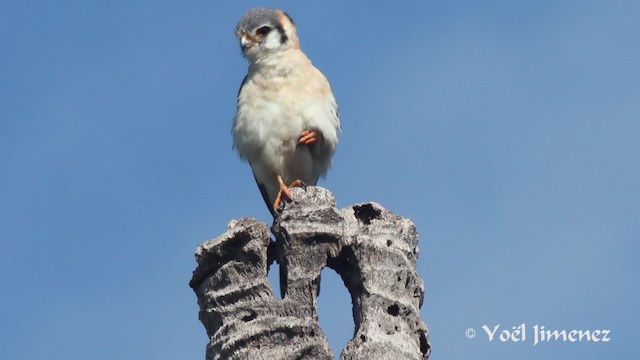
{"x":267,"y":125}
{"x":275,"y":104}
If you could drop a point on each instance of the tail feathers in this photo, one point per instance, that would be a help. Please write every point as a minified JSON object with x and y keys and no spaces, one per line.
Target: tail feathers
{"x":265,"y":197}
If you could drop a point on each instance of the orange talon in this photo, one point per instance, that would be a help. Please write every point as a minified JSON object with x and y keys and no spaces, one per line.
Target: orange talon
{"x":297,"y":183}
{"x":308,"y":137}
{"x":276,"y":204}
{"x":284,"y":190}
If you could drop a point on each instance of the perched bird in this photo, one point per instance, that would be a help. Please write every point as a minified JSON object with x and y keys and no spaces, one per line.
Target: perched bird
{"x":287,"y":124}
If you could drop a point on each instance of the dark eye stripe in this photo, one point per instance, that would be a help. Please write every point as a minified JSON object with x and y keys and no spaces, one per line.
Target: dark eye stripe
{"x":264,"y":30}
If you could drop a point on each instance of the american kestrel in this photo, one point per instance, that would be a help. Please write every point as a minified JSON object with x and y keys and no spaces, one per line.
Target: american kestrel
{"x":287,"y":124}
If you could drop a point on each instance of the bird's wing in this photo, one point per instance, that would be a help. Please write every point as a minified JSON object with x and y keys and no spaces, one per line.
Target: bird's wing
{"x":244,"y":81}
{"x":323,"y":114}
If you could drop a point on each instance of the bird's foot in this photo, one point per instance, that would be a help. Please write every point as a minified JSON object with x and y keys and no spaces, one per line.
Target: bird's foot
{"x":284,"y":191}
{"x":308,"y":137}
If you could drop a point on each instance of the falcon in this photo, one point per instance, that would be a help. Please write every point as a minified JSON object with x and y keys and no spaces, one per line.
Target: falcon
{"x":286,"y":125}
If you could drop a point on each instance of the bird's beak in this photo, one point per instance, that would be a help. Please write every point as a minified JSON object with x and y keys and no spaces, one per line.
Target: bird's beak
{"x":246,"y":41}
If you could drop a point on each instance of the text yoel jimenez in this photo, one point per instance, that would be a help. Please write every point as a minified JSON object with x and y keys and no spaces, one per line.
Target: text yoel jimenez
{"x":520,"y":333}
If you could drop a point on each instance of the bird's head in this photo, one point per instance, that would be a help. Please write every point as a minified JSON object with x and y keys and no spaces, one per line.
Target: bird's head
{"x":263,"y":31}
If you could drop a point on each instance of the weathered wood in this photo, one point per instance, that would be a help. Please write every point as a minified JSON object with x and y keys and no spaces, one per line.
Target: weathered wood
{"x":373,"y":250}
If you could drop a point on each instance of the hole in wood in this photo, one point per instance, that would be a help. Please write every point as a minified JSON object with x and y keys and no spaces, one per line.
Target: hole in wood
{"x":334,"y":310}
{"x":366,"y":213}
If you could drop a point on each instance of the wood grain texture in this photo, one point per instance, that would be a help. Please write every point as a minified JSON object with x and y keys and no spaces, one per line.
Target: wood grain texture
{"x":372,"y":249}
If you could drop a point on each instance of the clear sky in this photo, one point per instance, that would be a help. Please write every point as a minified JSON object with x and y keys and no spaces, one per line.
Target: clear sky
{"x":507,"y":130}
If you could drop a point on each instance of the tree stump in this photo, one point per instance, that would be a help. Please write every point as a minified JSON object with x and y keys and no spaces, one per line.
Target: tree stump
{"x":372,"y":249}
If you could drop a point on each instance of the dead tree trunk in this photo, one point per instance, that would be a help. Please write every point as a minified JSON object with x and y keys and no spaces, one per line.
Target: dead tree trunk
{"x":373,"y":250}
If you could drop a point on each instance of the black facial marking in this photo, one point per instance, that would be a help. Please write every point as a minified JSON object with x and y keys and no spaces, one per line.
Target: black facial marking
{"x":263,"y":30}
{"x":288,"y":17}
{"x":283,"y":37}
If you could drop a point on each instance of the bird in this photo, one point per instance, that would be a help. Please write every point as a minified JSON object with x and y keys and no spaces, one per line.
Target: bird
{"x":287,"y":123}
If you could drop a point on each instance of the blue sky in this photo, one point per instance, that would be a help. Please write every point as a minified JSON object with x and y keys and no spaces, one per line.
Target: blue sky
{"x":507,"y":130}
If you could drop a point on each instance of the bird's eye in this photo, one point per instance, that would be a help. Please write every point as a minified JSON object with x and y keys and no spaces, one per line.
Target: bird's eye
{"x":263,"y":30}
